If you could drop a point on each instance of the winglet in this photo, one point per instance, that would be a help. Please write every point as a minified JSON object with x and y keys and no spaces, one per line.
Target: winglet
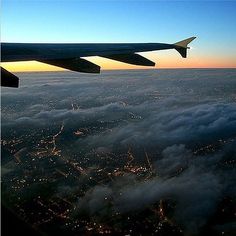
{"x":182,"y":46}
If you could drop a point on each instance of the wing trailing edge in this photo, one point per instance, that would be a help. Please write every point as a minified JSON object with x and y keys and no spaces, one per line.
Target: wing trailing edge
{"x":134,"y":59}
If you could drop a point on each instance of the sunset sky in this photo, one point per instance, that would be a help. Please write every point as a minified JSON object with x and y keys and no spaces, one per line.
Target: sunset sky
{"x":212,"y":22}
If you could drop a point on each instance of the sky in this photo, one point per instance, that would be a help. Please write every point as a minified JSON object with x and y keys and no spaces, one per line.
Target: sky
{"x":212,"y":22}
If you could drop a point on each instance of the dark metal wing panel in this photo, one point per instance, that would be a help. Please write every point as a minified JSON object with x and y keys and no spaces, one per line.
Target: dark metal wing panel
{"x":134,"y":59}
{"x":8,"y":79}
{"x":74,"y":64}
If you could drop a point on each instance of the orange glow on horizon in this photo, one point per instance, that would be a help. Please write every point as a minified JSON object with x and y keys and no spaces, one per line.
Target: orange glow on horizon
{"x":167,"y":59}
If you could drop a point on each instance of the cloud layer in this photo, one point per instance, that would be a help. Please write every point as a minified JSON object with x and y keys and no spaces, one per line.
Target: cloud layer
{"x":185,"y":120}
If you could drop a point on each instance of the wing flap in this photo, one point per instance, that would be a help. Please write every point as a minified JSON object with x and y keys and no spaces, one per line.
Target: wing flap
{"x":134,"y":59}
{"x":74,"y":64}
{"x":8,"y":79}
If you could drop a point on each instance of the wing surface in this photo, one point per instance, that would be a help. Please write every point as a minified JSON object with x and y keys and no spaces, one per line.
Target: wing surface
{"x":68,"y":56}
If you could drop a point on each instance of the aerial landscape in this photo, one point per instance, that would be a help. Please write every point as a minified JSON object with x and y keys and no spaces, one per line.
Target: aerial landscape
{"x":132,"y":150}
{"x":120,"y":153}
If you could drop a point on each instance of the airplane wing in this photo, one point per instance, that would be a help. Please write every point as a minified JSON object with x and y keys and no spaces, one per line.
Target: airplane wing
{"x":68,"y":56}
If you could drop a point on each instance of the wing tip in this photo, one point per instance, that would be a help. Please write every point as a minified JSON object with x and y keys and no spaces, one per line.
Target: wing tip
{"x":182,"y":46}
{"x":184,"y":43}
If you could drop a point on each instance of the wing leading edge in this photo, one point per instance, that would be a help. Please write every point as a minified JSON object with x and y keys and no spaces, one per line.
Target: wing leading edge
{"x":68,"y":56}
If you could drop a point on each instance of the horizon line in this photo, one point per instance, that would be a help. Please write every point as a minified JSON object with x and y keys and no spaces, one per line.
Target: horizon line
{"x":163,"y":68}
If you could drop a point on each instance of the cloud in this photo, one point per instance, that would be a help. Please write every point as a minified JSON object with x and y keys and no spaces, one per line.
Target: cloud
{"x":197,"y":189}
{"x":197,"y":124}
{"x":187,"y":126}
